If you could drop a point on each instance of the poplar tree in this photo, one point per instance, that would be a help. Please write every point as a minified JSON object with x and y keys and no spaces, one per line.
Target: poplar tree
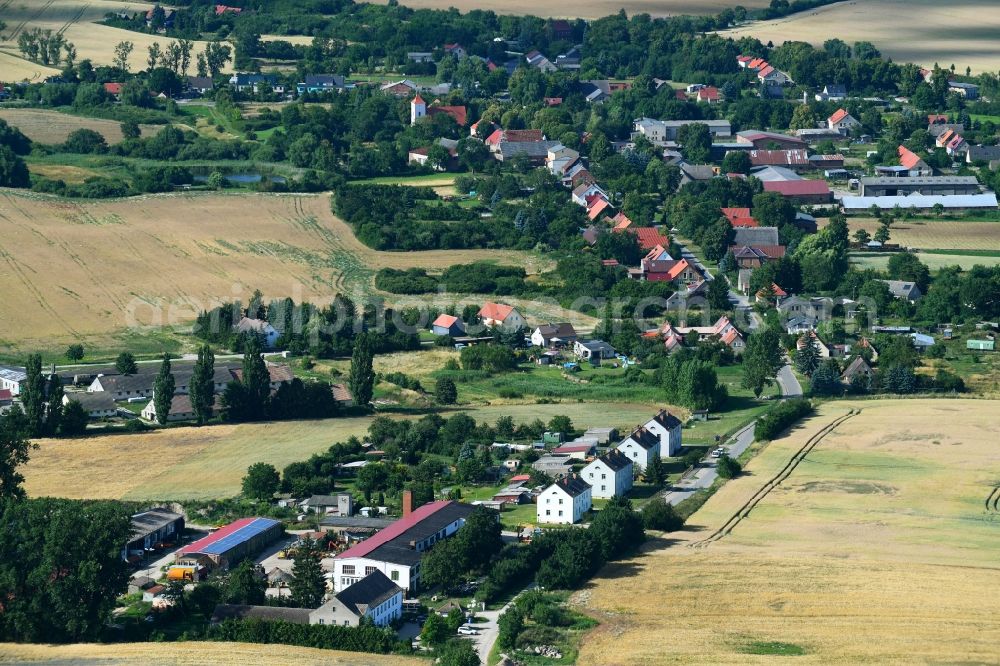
{"x":33,"y":395}
{"x":163,"y":391}
{"x":202,"y":387}
{"x":362,"y":377}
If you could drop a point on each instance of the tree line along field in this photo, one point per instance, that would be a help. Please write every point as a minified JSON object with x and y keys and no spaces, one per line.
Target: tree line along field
{"x":588,"y":9}
{"x":194,"y":652}
{"x":962,"y":32}
{"x":209,"y":462}
{"x":77,"y":20}
{"x":190,"y":250}
{"x":878,"y":547}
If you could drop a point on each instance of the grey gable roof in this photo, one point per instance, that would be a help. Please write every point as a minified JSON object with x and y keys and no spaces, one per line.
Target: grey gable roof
{"x":756,"y":236}
{"x":398,"y":550}
{"x":616,"y":460}
{"x":572,"y":485}
{"x":368,"y":592}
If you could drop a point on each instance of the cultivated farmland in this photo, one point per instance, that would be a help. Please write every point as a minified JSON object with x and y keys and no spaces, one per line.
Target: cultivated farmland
{"x":15,"y":68}
{"x":209,"y":462}
{"x":77,"y":20}
{"x":158,"y":259}
{"x":586,"y":8}
{"x":53,"y":127}
{"x":192,"y":652}
{"x":930,"y":234}
{"x":961,"y":32}
{"x":877,"y":548}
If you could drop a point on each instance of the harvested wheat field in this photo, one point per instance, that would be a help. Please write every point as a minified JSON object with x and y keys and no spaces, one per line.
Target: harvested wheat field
{"x":877,"y":548}
{"x":77,"y":21}
{"x":588,"y":9}
{"x":191,"y":654}
{"x":15,"y":68}
{"x":209,"y":462}
{"x":53,"y":127}
{"x":959,"y":32}
{"x":937,"y":234}
{"x":73,"y":269}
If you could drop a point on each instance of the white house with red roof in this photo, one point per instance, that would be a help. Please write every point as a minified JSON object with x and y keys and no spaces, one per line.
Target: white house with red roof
{"x":502,"y":316}
{"x":420,"y":109}
{"x":396,"y":551}
{"x":709,"y":95}
{"x":842,"y":121}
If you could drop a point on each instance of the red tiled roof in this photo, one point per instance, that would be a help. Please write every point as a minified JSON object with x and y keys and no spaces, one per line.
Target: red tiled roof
{"x":553,"y":101}
{"x":495,"y":311}
{"x":796,"y":157}
{"x":445,"y":320}
{"x":681,"y":95}
{"x":839,"y":115}
{"x":459,"y":113}
{"x":677,"y":269}
{"x":521,"y":477}
{"x":709,"y":93}
{"x":494,"y":138}
{"x":797,"y":187}
{"x":744,"y":58}
{"x":597,"y":208}
{"x":765,"y":71}
{"x":394,"y":530}
{"x":609,"y":262}
{"x":113,"y":88}
{"x":907,"y":157}
{"x":573,"y":448}
{"x":936,"y":118}
{"x":650,"y":238}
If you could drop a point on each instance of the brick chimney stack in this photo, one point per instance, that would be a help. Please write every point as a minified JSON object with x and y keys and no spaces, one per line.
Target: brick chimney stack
{"x":407,"y":503}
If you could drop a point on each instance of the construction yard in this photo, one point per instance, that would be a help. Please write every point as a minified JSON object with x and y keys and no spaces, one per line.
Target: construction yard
{"x":865,"y":538}
{"x":139,"y":261}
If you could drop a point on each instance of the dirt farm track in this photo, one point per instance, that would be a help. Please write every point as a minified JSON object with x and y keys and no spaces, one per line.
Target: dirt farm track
{"x":878,"y":547}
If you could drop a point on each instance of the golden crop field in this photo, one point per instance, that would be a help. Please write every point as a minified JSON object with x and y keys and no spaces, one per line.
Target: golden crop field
{"x":209,"y":462}
{"x":937,"y":234}
{"x":193,"y":653}
{"x":53,"y":127}
{"x":16,"y":68}
{"x":959,"y":32}
{"x":877,"y":548}
{"x":83,"y":270}
{"x":77,"y":20}
{"x":587,"y":9}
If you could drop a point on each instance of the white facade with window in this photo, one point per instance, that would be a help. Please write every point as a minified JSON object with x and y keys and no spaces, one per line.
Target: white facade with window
{"x":557,"y":506}
{"x":606,"y":481}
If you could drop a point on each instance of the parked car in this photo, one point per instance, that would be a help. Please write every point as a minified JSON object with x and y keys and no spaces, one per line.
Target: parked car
{"x":466,"y":630}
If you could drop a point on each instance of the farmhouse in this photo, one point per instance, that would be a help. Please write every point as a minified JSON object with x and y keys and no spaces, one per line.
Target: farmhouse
{"x":641,"y":446}
{"x":841,"y":121}
{"x":233,"y":542}
{"x":564,"y":502}
{"x":857,"y":367}
{"x":609,"y":475}
{"x":150,"y":528}
{"x":501,"y":316}
{"x":341,"y":504}
{"x":548,"y":335}
{"x":904,"y":290}
{"x":593,"y":350}
{"x":374,"y":597}
{"x":97,"y":405}
{"x":668,"y":428}
{"x":447,"y":324}
{"x":396,"y":550}
{"x":263,"y":329}
{"x":755,"y":256}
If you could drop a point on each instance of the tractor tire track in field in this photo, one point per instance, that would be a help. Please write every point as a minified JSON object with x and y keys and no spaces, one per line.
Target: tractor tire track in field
{"x":39,"y":296}
{"x":20,"y":26}
{"x":76,"y":17}
{"x":775,"y":481}
{"x":993,"y":499}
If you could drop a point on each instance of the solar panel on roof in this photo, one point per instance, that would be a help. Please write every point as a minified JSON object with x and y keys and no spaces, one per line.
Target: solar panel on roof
{"x":248,"y":531}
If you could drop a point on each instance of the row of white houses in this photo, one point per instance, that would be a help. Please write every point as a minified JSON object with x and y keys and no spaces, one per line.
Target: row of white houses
{"x":567,"y":500}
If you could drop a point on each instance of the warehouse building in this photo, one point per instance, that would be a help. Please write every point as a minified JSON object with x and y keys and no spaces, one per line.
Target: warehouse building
{"x":927,"y":185}
{"x":919,"y":202}
{"x":233,"y":542}
{"x":152,"y":527}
